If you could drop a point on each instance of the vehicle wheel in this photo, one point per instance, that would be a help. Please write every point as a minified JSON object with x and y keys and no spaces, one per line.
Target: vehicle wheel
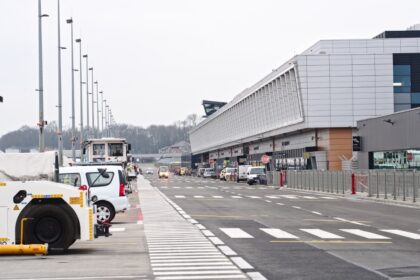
{"x":105,"y":212}
{"x":250,"y":183}
{"x":50,"y":224}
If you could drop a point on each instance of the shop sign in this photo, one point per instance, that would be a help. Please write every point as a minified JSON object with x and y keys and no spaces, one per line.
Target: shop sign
{"x":357,"y":143}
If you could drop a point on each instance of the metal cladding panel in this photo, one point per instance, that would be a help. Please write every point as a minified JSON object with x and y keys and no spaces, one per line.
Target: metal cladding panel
{"x":391,"y":132}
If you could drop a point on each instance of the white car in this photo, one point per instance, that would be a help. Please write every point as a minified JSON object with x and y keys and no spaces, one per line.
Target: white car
{"x":149,"y":171}
{"x":253,"y":173}
{"x":106,"y":185}
{"x":208,"y":173}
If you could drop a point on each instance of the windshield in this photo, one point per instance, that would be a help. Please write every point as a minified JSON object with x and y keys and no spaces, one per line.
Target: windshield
{"x":72,"y":179}
{"x":115,"y":149}
{"x":163,"y":169}
{"x":97,"y":180}
{"x":258,"y":171}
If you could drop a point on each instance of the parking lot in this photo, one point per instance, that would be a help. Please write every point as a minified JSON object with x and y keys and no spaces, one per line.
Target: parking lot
{"x":122,"y":256}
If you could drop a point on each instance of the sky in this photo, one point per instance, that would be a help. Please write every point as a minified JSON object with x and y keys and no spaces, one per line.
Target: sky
{"x":156,"y":60}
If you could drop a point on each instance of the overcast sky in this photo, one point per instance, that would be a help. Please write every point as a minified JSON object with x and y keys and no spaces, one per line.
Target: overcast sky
{"x":157,"y":60}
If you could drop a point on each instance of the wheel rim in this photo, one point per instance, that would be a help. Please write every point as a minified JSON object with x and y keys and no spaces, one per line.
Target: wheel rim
{"x":103,"y":213}
{"x":48,"y":230}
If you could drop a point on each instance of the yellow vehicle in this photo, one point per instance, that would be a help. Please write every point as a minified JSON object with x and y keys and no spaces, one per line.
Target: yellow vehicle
{"x":163,"y":172}
{"x":183,"y":171}
{"x":222,"y":174}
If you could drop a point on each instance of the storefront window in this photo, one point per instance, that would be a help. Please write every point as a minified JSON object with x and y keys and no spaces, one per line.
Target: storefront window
{"x":404,"y":159}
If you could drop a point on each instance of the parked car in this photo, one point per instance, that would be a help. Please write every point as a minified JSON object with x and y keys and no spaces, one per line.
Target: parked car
{"x":256,"y":175}
{"x":208,"y":173}
{"x":131,"y":172}
{"x":242,"y":172}
{"x":107,"y":187}
{"x":163,"y":172}
{"x":150,"y":171}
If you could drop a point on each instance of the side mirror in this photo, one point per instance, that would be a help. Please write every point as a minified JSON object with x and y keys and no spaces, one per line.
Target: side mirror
{"x":129,"y":148}
{"x":247,"y":173}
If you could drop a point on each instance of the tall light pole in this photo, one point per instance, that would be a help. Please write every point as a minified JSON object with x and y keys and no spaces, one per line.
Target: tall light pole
{"x":79,"y":41}
{"x":106,"y":120}
{"x":60,"y":105}
{"x":97,"y":110}
{"x":41,"y":121}
{"x":102,"y":113}
{"x":87,"y":96}
{"x":73,"y":121}
{"x":93,"y":105}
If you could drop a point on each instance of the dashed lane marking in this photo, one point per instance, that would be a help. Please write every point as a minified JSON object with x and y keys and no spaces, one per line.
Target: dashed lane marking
{"x":403,"y":233}
{"x":278,"y":233}
{"x":322,"y":234}
{"x":365,"y":234}
{"x":236,"y":233}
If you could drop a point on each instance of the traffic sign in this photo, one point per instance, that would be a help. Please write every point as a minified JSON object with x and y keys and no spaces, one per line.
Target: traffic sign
{"x":265,"y":159}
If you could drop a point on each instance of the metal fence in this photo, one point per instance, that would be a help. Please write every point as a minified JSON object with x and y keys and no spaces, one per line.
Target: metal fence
{"x":274,"y":179}
{"x":386,"y":184}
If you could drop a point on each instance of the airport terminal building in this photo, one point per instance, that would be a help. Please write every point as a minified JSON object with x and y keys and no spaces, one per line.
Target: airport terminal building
{"x":304,"y":114}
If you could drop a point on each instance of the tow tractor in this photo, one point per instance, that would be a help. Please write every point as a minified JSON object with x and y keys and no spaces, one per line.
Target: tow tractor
{"x":37,"y":217}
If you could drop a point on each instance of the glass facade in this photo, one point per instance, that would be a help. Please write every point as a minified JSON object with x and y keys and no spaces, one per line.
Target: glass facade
{"x":403,"y":159}
{"x":406,"y":81}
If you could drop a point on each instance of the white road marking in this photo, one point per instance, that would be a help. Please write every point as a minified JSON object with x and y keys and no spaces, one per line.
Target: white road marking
{"x":278,"y":233}
{"x":198,"y":268}
{"x":272,"y":196}
{"x":235,"y":196}
{"x":269,"y":201}
{"x":322,"y":234}
{"x":256,"y":276}
{"x":202,"y":277}
{"x":179,"y":256}
{"x":309,"y":197}
{"x":217,"y":196}
{"x":200,"y":226}
{"x":192,"y":221}
{"x":328,"y":197}
{"x":279,"y":203}
{"x":227,"y":251}
{"x":407,"y":234}
{"x":236,"y":233}
{"x":186,"y":216}
{"x":365,"y":234}
{"x":297,"y":207}
{"x":179,"y":196}
{"x":198,"y":196}
{"x":181,"y":261}
{"x":176,"y":187}
{"x":352,"y":222}
{"x":196,"y":272}
{"x":241,"y":263}
{"x":316,"y":213}
{"x":114,"y":229}
{"x":207,"y":233}
{"x":289,"y":196}
{"x":216,"y":241}
{"x":253,"y":196}
{"x":211,"y":263}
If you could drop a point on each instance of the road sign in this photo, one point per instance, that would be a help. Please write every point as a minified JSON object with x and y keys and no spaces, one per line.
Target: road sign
{"x":265,"y":159}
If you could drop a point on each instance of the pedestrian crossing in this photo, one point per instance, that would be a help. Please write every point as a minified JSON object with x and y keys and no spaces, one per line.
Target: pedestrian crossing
{"x":310,"y":233}
{"x":274,"y":197}
{"x":213,"y":187}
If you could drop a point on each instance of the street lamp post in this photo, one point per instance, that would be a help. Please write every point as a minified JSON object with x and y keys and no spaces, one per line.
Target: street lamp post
{"x":106,"y":120}
{"x":102,"y":113}
{"x":93,"y":106}
{"x":73,"y":123}
{"x":41,"y":122}
{"x":97,"y":110}
{"x":79,"y":41}
{"x":60,"y":112}
{"x":87,"y":96}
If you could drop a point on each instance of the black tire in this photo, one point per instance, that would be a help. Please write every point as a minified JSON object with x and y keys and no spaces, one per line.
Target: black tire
{"x":105,"y":212}
{"x":50,"y":224}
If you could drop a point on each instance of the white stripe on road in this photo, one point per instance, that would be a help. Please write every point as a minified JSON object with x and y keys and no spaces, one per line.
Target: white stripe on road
{"x":202,"y":277}
{"x":289,"y":196}
{"x":196,"y":272}
{"x":309,"y":197}
{"x":179,"y":196}
{"x":297,"y":207}
{"x":169,"y":262}
{"x":236,"y":233}
{"x":316,"y":213}
{"x":207,"y":232}
{"x":220,"y":267}
{"x":198,"y":196}
{"x":112,"y":229}
{"x":365,"y":234}
{"x":253,"y":196}
{"x":183,"y":256}
{"x":241,"y":263}
{"x":322,"y":234}
{"x":217,"y":196}
{"x":407,"y":234}
{"x":200,"y":226}
{"x":278,"y":233}
{"x":235,"y":196}
{"x":216,"y":241}
{"x":256,"y":276}
{"x":279,"y":203}
{"x":328,"y":197}
{"x":227,"y":251}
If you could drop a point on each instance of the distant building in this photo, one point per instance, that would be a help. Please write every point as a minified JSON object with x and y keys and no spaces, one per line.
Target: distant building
{"x":178,"y":154}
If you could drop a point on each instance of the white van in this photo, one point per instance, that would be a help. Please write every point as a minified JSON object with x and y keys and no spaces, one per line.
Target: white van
{"x":253,"y":174}
{"x":242,"y":170}
{"x":106,"y":185}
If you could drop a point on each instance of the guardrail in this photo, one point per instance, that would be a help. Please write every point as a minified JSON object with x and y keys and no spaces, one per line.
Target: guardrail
{"x":277,"y":178}
{"x":386,"y":184}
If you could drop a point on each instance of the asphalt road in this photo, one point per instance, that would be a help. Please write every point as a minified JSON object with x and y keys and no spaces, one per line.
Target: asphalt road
{"x":285,"y":234}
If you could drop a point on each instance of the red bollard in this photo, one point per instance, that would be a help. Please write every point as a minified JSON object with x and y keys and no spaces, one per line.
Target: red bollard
{"x":353,"y":183}
{"x":281,"y":179}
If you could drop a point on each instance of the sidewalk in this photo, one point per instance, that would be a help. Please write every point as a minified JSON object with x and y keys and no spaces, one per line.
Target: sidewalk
{"x":177,"y":248}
